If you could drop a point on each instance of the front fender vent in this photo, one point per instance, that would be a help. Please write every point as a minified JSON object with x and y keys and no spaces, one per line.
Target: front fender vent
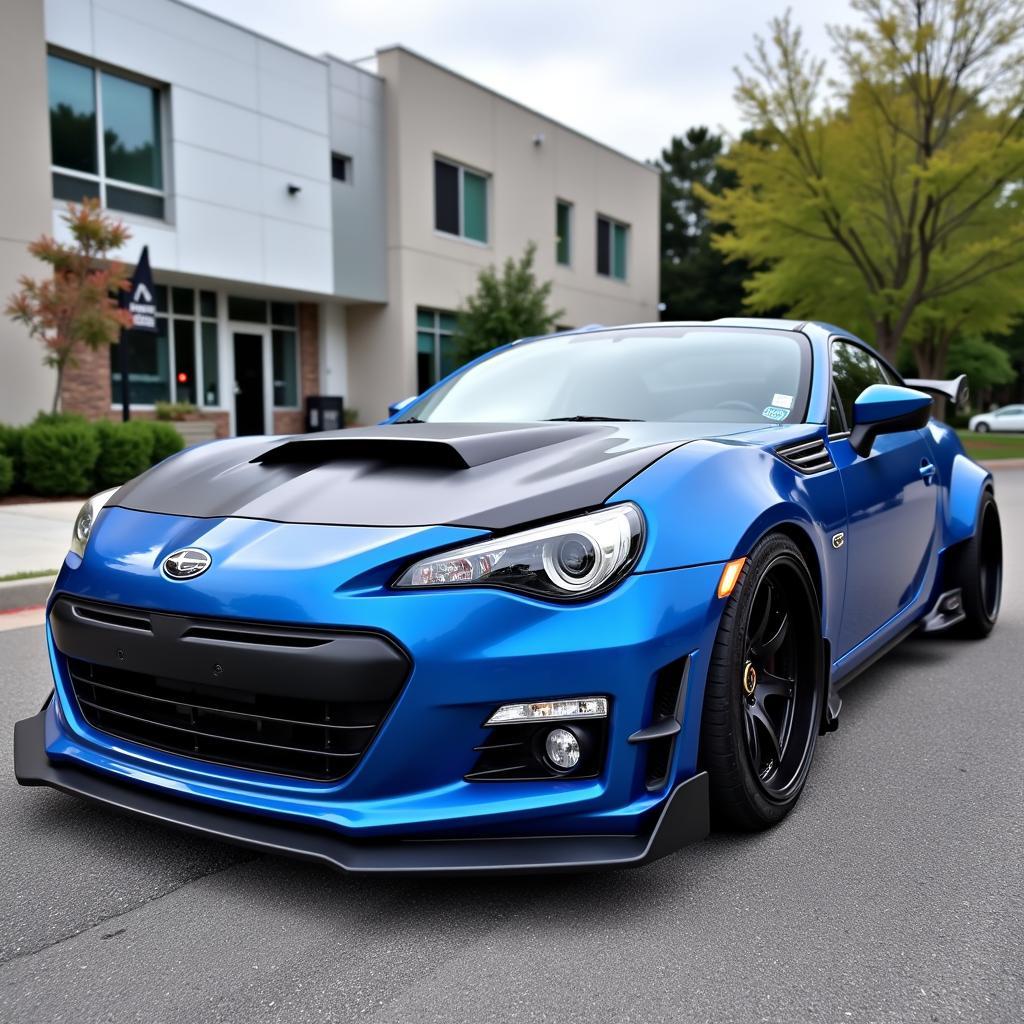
{"x":806,"y":456}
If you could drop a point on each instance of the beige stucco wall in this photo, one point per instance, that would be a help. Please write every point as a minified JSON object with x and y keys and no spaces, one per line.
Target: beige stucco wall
{"x":431,"y":111}
{"x":26,"y":386}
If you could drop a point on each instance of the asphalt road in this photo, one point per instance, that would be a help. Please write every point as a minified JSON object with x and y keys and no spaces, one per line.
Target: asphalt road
{"x":892,"y":893}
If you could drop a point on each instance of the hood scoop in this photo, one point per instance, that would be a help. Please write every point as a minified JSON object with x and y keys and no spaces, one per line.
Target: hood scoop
{"x":438,"y":445}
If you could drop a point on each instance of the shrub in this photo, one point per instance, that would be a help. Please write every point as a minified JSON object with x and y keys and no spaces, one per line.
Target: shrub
{"x":6,"y":474}
{"x":166,"y":440}
{"x":174,"y":410}
{"x":58,"y":419}
{"x":60,"y":458}
{"x":126,"y":450}
{"x":10,"y":445}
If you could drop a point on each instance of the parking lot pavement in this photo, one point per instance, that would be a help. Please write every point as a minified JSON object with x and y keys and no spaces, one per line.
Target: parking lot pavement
{"x":893,"y":893}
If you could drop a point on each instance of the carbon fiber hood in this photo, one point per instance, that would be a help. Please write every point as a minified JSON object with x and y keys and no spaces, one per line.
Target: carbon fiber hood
{"x":489,"y":476}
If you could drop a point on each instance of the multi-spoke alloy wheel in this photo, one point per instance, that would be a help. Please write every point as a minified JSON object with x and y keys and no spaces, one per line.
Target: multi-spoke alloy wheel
{"x":762,"y":705}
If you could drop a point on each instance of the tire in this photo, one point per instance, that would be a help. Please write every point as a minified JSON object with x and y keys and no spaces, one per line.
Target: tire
{"x":979,"y":571}
{"x":982,"y":428}
{"x":765,"y":679}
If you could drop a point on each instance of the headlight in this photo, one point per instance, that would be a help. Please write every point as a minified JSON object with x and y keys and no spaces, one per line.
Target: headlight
{"x":86,"y":518}
{"x":572,"y":559}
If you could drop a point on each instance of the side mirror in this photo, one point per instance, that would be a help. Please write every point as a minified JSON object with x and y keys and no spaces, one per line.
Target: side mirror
{"x":396,"y":407}
{"x":887,"y":409}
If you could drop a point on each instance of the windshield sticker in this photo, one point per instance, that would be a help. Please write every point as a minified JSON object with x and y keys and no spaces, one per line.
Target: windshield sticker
{"x":783,"y":401}
{"x":773,"y":412}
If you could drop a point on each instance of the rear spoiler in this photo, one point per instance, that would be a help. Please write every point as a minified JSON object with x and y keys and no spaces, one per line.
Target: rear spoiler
{"x":955,"y":390}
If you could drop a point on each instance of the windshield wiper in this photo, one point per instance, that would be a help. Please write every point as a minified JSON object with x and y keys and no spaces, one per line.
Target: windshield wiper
{"x":593,"y":419}
{"x":411,"y":419}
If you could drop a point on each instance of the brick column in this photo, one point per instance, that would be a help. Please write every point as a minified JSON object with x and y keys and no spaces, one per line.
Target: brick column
{"x":86,"y":387}
{"x":288,"y":421}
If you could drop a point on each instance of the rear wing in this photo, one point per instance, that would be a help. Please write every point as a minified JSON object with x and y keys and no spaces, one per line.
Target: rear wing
{"x":955,"y":390}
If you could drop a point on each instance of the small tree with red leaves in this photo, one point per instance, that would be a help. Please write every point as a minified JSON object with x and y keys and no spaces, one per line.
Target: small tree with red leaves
{"x":77,"y":304}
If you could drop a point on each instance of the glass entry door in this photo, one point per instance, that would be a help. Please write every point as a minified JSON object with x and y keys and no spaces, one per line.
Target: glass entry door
{"x":250,"y":408}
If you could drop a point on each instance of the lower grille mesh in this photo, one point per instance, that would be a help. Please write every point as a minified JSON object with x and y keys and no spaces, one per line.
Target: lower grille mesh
{"x":312,"y":739}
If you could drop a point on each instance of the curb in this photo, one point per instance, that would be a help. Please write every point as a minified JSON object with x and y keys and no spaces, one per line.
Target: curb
{"x":25,"y":593}
{"x":996,"y":464}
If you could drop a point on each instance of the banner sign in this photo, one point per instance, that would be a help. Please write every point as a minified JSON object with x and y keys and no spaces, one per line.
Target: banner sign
{"x":140,"y":299}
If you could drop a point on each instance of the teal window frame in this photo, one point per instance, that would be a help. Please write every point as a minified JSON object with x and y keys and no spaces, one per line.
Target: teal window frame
{"x":474,"y":225}
{"x":114,"y":193}
{"x":618,"y":248}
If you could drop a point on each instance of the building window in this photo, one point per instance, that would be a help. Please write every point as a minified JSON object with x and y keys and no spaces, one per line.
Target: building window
{"x":341,"y":167}
{"x":612,"y":244}
{"x":436,"y":355}
{"x":180,"y":363}
{"x":105,"y":138}
{"x":563,"y":232}
{"x":460,"y":201}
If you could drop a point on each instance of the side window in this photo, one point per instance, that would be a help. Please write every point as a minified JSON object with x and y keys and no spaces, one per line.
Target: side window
{"x":853,"y":369}
{"x":835,"y":416}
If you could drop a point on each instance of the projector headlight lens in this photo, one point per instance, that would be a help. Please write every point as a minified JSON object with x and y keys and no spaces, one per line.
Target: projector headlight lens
{"x":86,"y":520}
{"x":575,"y":558}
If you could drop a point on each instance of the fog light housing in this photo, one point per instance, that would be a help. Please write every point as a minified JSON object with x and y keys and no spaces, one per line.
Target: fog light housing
{"x":562,"y":749}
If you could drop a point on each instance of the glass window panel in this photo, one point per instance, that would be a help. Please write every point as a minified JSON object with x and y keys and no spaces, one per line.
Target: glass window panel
{"x":74,"y":190}
{"x":184,"y":300}
{"x":283,"y":313}
{"x":149,"y":373}
{"x":131,"y":131}
{"x":241,"y":308}
{"x":449,"y":355}
{"x":425,"y":342}
{"x":447,"y":322}
{"x":563,"y":233}
{"x":604,"y":246}
{"x":425,"y":318}
{"x":130,"y":201}
{"x":474,"y":206}
{"x":208,"y":304}
{"x":72,"y":115}
{"x":619,"y":237}
{"x":340,"y":167}
{"x":286,"y":370}
{"x":425,"y":370}
{"x":211,"y":362}
{"x":161,"y":298}
{"x":446,"y":197}
{"x":853,"y":369}
{"x":185,"y":361}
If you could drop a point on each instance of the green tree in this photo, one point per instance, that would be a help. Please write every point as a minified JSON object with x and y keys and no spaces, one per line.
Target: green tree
{"x":505,"y":307}
{"x":894,"y":203}
{"x":697,"y":283}
{"x":75,"y":305}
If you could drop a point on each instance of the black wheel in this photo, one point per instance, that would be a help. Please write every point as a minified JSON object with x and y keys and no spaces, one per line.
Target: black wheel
{"x":980,"y":571}
{"x":981,"y":428}
{"x":763,"y":701}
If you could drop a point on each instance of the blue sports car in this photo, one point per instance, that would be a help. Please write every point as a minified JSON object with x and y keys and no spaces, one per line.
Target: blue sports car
{"x":589,"y":594}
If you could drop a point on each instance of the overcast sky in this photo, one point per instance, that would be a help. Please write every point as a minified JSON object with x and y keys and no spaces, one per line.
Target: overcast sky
{"x":630,"y":74}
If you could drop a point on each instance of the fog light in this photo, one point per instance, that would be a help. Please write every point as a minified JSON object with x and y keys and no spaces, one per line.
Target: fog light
{"x":562,"y":748}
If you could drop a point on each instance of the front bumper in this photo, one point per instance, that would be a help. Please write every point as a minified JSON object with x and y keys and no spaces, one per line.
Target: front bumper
{"x":682,"y":819}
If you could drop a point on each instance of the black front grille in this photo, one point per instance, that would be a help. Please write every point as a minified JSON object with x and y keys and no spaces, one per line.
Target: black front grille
{"x":297,"y":702}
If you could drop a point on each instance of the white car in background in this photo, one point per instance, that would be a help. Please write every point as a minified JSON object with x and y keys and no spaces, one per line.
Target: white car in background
{"x":1009,"y":418}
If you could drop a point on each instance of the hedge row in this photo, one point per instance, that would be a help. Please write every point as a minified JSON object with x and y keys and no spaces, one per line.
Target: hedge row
{"x":65,"y":454}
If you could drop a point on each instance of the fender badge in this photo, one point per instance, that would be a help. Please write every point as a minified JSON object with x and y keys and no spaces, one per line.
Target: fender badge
{"x":837,"y":540}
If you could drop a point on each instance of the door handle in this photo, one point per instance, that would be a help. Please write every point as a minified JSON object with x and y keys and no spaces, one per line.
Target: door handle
{"x":927,"y":471}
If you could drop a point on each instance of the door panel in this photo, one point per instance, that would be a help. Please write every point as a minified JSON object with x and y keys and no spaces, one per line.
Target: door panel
{"x":891,"y":502}
{"x":249,"y":408}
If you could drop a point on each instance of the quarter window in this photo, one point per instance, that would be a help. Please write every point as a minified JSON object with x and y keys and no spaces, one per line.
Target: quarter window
{"x":854,"y":369}
{"x":105,"y":138}
{"x":179,"y":363}
{"x":436,"y":354}
{"x":612,"y":246}
{"x":460,"y":201}
{"x":563,"y":232}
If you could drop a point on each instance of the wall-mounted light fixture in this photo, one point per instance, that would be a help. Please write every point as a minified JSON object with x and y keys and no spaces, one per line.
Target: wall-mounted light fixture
{"x":538,"y":139}
{"x":294,"y":190}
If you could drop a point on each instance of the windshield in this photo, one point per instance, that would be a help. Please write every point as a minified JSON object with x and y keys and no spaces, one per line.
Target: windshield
{"x":664,"y":374}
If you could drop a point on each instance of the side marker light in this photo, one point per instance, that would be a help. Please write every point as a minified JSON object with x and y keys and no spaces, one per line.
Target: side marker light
{"x":730,"y":575}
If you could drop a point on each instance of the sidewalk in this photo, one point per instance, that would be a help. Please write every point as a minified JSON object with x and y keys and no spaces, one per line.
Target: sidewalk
{"x":34,"y":537}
